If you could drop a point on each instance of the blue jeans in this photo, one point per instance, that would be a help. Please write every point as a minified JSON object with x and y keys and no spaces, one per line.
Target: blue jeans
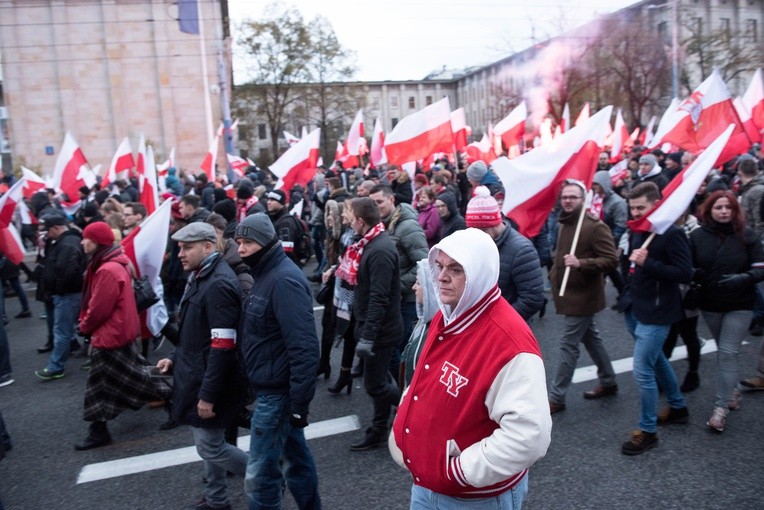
{"x":650,"y":365}
{"x":425,"y":499}
{"x":318,"y":233}
{"x":19,"y":290}
{"x":66,"y":309}
{"x":219,"y":457}
{"x":273,"y":439}
{"x":729,"y":330}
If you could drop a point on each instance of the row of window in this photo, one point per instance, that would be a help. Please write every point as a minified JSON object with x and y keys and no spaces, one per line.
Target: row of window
{"x":394,"y":102}
{"x":751,"y":33}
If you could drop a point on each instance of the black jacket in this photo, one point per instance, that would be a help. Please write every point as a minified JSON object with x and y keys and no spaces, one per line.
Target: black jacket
{"x":376,"y":302}
{"x":64,"y":265}
{"x":278,"y":331}
{"x":715,"y":254}
{"x":210,"y":307}
{"x":520,"y":279}
{"x":288,"y":230}
{"x":455,"y":221}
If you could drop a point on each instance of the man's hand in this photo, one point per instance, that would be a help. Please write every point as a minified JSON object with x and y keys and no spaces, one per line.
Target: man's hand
{"x":205,"y":410}
{"x":164,"y":365}
{"x":364,"y":348}
{"x":639,"y":256}
{"x":298,"y":421}
{"x":571,"y":261}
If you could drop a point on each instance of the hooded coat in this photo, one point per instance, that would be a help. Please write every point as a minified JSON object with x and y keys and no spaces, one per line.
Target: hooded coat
{"x":520,"y":279}
{"x":476,"y":415}
{"x":454,"y":221}
{"x":615,"y":210}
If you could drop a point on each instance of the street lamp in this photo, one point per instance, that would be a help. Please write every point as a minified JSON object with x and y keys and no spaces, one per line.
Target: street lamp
{"x":674,"y":44}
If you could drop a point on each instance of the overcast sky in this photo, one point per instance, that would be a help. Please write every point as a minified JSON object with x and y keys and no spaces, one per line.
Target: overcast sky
{"x":408,"y":39}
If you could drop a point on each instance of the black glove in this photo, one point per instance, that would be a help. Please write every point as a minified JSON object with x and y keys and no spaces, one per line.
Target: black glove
{"x":298,"y":421}
{"x":698,"y":276}
{"x":364,"y":348}
{"x":733,"y":282}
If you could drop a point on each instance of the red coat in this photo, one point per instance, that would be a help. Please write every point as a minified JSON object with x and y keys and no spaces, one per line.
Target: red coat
{"x":110,"y":316}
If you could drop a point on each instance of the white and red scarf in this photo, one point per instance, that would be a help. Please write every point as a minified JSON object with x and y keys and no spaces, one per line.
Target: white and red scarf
{"x":348,"y":269}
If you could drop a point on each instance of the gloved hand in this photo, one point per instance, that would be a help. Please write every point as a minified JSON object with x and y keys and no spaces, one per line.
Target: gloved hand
{"x":698,"y":276}
{"x":733,"y":282}
{"x":364,"y":348}
{"x":298,"y":421}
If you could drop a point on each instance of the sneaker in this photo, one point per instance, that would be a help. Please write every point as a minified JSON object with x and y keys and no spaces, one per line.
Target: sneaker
{"x":639,"y":443}
{"x":753,"y":383}
{"x":23,"y":315}
{"x":203,"y":505}
{"x":6,"y":380}
{"x":670,"y":415}
{"x":47,"y":375}
{"x":734,"y":402}
{"x":86,"y":365}
{"x":718,"y":419}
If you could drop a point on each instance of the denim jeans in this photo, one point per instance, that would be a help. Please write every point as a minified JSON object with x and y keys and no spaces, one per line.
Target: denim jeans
{"x":650,"y":365}
{"x":318,"y":233}
{"x":66,"y":310}
{"x":425,"y":499}
{"x":729,"y":330}
{"x":273,"y":440}
{"x":19,"y":290}
{"x":5,"y":353}
{"x":219,"y":457}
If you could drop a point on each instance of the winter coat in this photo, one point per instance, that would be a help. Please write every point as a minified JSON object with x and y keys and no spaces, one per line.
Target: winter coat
{"x":615,"y":210}
{"x":429,"y":220}
{"x":64,"y":264}
{"x":209,"y":311}
{"x":715,"y":254}
{"x":454,"y":221}
{"x":376,"y":305}
{"x":520,"y":279}
{"x":751,"y":195}
{"x":585,"y":291}
{"x":110,"y":316}
{"x":207,"y":196}
{"x":278,"y":333}
{"x":199,"y":215}
{"x":233,"y":259}
{"x":288,"y":230}
{"x":403,"y":228}
{"x":404,"y":193}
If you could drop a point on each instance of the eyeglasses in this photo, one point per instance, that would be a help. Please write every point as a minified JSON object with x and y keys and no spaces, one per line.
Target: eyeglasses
{"x":570,"y":198}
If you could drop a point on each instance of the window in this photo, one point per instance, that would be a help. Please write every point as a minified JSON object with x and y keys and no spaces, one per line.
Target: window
{"x":751,"y":31}
{"x":394,"y":102}
{"x":261,"y":132}
{"x":663,"y":32}
{"x":375,"y":103}
{"x":412,"y":102}
{"x":725,"y":28}
{"x":428,"y":99}
{"x":395,"y":121}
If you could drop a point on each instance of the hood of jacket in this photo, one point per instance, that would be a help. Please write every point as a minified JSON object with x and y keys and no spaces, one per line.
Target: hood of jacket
{"x":449,"y":199}
{"x":401,"y":213}
{"x":427,"y":309}
{"x":603,"y":179}
{"x":478,"y":255}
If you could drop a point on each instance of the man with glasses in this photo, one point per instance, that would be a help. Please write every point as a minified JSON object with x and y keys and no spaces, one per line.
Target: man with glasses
{"x":132,"y":216}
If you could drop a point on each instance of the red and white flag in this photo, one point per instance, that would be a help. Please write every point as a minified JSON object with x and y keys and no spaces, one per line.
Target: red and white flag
{"x":238,"y":165}
{"x":355,"y":135}
{"x":290,"y":138}
{"x":753,"y":99}
{"x":140,"y":160}
{"x":34,"y":182}
{"x":420,"y":134}
{"x":11,"y":244}
{"x":208,"y":163}
{"x":701,"y":118}
{"x":584,"y":115}
{"x":377,"y":155}
{"x":512,"y":127}
{"x":647,"y":134}
{"x":341,"y":156}
{"x":121,"y":164}
{"x":459,"y":128}
{"x":72,"y":170}
{"x":298,"y":164}
{"x":482,"y":150}
{"x":750,"y":130}
{"x":9,"y":200}
{"x":620,"y":137}
{"x":533,"y":180}
{"x":565,"y":120}
{"x":678,"y":194}
{"x":145,"y":247}
{"x":148,"y":183}
{"x":162,"y":170}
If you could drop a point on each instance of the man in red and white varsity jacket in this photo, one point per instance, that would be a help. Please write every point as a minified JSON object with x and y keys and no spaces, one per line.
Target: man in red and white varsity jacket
{"x":476,"y":416}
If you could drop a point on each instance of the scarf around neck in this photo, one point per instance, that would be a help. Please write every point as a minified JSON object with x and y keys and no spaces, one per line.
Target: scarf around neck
{"x":348,"y":269}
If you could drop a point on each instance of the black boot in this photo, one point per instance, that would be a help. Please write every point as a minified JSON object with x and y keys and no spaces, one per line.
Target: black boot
{"x":372,"y":439}
{"x":97,"y":437}
{"x":46,"y":348}
{"x":345,"y":379}
{"x":170,"y":423}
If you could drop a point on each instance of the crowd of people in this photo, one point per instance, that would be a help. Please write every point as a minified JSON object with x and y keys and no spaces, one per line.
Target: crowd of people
{"x":432,"y":293}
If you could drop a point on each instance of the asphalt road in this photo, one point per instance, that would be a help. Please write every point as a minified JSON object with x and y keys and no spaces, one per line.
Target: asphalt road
{"x":691,"y":467}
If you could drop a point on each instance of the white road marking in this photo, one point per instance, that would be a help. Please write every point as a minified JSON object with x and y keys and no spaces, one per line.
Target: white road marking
{"x":168,"y":458}
{"x":620,"y":366}
{"x":317,"y":308}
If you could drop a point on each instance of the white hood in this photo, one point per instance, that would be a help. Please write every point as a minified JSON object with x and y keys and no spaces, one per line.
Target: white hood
{"x":478,"y":255}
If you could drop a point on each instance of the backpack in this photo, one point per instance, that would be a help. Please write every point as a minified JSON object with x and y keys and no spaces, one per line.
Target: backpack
{"x":303,"y":244}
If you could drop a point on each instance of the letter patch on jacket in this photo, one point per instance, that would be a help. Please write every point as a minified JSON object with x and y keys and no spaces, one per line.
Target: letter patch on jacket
{"x":452,"y":379}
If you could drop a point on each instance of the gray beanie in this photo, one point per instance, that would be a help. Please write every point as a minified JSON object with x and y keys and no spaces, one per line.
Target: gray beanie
{"x":648,"y":159}
{"x":257,"y":227}
{"x":477,"y":171}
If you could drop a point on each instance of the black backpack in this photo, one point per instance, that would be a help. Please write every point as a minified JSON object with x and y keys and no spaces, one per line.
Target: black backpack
{"x":303,"y":244}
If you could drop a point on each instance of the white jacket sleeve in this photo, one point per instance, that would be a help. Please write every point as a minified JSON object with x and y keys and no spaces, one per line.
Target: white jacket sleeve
{"x":517,"y":401}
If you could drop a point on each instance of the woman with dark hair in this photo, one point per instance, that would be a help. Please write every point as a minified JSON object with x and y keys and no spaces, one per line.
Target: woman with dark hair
{"x":429,"y":219}
{"x":729,"y":262}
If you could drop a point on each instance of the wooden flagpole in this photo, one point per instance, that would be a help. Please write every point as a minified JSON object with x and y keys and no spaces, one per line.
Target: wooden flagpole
{"x":584,"y":208}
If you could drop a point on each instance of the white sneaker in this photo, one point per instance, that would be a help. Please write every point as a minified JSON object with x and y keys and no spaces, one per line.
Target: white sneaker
{"x":734,"y":402}
{"x":6,"y":380}
{"x":718,"y":419}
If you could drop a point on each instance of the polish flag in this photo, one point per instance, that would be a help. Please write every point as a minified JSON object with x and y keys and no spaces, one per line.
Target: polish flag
{"x":208,"y":164}
{"x":121,"y":164}
{"x":701,"y":118}
{"x":620,"y":139}
{"x":482,"y":150}
{"x":145,"y":247}
{"x":584,"y":115}
{"x":341,"y":156}
{"x":303,"y":133}
{"x":459,"y":128}
{"x":290,"y":138}
{"x":34,"y":182}
{"x":647,"y":134}
{"x":512,"y":127}
{"x":753,"y":99}
{"x":377,"y":155}
{"x":565,"y":121}
{"x":162,"y":170}
{"x":148,"y":183}
{"x":619,"y":171}
{"x":678,"y":194}
{"x":140,"y":161}
{"x":9,"y":200}
{"x":72,"y":170}
{"x":750,"y":130}
{"x":533,"y":180}
{"x":11,"y":244}
{"x":420,"y":134}
{"x":355,"y":135}
{"x":298,"y":164}
{"x":238,"y":165}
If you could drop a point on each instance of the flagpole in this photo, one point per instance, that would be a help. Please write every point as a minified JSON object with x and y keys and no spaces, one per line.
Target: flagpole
{"x":573,"y":248}
{"x":648,"y":241}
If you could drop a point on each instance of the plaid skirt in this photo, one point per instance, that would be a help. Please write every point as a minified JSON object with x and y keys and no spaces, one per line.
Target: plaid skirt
{"x":120,"y":379}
